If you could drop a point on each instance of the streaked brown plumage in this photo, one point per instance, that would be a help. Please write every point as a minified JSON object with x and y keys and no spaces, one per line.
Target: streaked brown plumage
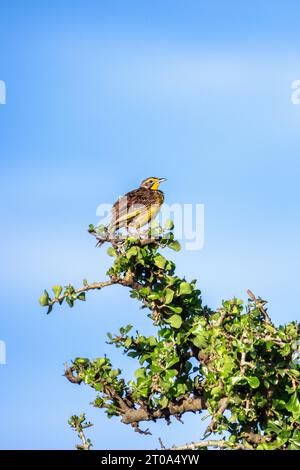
{"x":138,"y":207}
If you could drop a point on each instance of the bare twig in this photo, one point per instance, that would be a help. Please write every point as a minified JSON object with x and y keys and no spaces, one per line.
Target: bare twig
{"x":223,"y":405}
{"x":243,"y":362}
{"x":220,"y":444}
{"x":136,"y":427}
{"x":86,"y":445}
{"x":260,"y":305}
{"x":79,"y":423}
{"x":162,"y":446}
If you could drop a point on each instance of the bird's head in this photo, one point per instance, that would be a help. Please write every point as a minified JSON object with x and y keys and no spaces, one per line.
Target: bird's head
{"x":152,"y":183}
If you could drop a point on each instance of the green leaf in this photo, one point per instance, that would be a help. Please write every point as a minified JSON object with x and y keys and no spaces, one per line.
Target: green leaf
{"x":181,"y":388}
{"x":57,"y":290}
{"x":253,"y":381}
{"x":160,"y":261}
{"x":200,"y":340}
{"x":175,"y":245}
{"x":144,"y":392}
{"x":237,"y":379}
{"x":155,"y":369}
{"x":128,"y":328}
{"x":132,"y":240}
{"x":154,"y":296}
{"x":81,"y":361}
{"x":172,"y":361}
{"x":169,"y":225}
{"x":216,"y":390}
{"x":111,"y":251}
{"x":170,"y":374}
{"x":154,"y":224}
{"x":169,"y":294}
{"x":140,"y":373}
{"x":175,"y":321}
{"x":133,"y":251}
{"x":128,"y":342}
{"x":70,"y":301}
{"x":273,"y":426}
{"x":294,"y":445}
{"x":228,"y":365}
{"x":101,"y":361}
{"x":91,"y":228}
{"x":185,"y":288}
{"x":278,"y":404}
{"x":175,"y":309}
{"x":44,"y":299}
{"x":49,"y":309}
{"x":163,"y":402}
{"x":81,"y":296}
{"x":100,"y":229}
{"x":294,"y":405}
{"x":152,"y":341}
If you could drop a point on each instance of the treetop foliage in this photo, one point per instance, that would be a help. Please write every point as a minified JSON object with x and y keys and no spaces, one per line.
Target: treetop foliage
{"x":232,"y":364}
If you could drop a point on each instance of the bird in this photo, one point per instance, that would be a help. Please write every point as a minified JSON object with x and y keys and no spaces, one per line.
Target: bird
{"x":138,"y":207}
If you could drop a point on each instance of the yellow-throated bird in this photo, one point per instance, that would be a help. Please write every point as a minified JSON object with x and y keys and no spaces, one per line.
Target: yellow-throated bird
{"x":138,"y":207}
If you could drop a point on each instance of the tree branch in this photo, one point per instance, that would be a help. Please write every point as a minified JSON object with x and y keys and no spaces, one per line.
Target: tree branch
{"x":254,"y":438}
{"x":79,"y":423}
{"x":85,"y":444}
{"x":127,"y":281}
{"x":87,"y":287}
{"x":174,"y":409}
{"x":69,"y":374}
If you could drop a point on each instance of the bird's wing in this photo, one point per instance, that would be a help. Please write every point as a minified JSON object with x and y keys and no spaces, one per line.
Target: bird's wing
{"x":123,"y":211}
{"x":122,"y":219}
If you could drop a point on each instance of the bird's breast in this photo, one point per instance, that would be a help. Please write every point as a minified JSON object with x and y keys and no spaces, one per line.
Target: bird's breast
{"x":158,"y":197}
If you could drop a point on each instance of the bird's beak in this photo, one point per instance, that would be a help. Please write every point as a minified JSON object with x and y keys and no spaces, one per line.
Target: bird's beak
{"x":161,"y":180}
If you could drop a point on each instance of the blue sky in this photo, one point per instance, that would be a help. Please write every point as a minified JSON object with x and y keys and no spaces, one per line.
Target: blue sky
{"x":101,"y":94}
